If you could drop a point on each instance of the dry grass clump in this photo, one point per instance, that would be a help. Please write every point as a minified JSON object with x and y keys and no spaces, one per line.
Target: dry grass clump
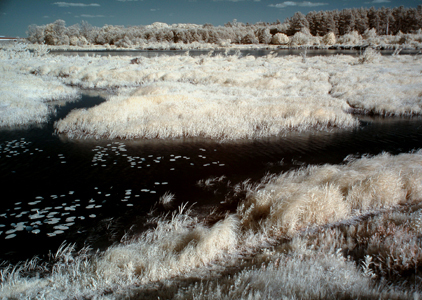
{"x":231,"y":97}
{"x":175,"y":247}
{"x":392,"y":241}
{"x":304,"y":274}
{"x":318,"y":195}
{"x":24,"y":98}
{"x":170,"y":112}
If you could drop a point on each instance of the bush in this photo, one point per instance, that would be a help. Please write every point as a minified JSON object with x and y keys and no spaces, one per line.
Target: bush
{"x":370,"y":55}
{"x":369,"y":33}
{"x":352,"y":38}
{"x":329,"y":39}
{"x":300,"y":39}
{"x":280,"y":39}
{"x":249,"y":38}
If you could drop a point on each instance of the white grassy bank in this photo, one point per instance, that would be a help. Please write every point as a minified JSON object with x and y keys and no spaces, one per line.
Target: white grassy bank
{"x":24,"y":97}
{"x":261,"y":251}
{"x":222,"y":97}
{"x":241,"y":97}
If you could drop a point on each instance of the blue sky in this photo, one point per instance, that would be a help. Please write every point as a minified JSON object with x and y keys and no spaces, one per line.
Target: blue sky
{"x":17,"y":15}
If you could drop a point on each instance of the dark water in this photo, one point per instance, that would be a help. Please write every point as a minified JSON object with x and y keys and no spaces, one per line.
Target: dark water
{"x":256,"y":53}
{"x":92,"y":192}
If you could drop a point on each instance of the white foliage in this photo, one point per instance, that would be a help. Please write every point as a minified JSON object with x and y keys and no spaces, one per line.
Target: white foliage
{"x":353,"y":38}
{"x":280,"y":39}
{"x":329,"y":39}
{"x":301,"y":39}
{"x":24,"y":97}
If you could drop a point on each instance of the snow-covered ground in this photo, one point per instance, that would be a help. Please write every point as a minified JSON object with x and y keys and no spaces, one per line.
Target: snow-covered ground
{"x":221,"y":97}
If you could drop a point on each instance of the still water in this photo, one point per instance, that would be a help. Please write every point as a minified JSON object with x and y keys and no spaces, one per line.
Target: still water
{"x":92,"y":192}
{"x":244,"y":52}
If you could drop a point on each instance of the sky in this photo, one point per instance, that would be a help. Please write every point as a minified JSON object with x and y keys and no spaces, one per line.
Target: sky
{"x":17,"y":15}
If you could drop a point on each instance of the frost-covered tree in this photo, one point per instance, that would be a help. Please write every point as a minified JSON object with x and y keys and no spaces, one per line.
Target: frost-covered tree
{"x":361,"y":20}
{"x":374,"y":19}
{"x":264,"y":35}
{"x":297,"y":23}
{"x":346,"y":21}
{"x":249,"y":38}
{"x":352,"y":38}
{"x":387,"y":18}
{"x":340,"y":23}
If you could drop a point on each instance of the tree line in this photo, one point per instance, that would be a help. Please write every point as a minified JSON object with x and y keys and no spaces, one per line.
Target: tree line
{"x":383,"y":21}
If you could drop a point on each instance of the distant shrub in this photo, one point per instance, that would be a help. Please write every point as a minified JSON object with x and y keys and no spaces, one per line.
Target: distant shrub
{"x":280,"y":39}
{"x":249,"y":38}
{"x":369,"y":33}
{"x":352,"y":38}
{"x":329,"y":39}
{"x":264,"y":35}
{"x":300,"y":39}
{"x":370,"y":55}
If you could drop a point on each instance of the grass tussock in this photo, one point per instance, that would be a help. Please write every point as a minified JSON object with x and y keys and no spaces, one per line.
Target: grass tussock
{"x":318,"y":232}
{"x":318,"y":195}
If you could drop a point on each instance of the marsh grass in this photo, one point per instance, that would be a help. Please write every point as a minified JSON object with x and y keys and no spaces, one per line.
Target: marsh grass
{"x":221,"y":96}
{"x":24,"y":97}
{"x":302,"y":234}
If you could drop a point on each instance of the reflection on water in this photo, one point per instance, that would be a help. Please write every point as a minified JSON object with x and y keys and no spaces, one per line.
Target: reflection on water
{"x":93,"y":191}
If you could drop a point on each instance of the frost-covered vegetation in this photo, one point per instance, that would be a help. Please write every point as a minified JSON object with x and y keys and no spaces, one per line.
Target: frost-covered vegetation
{"x":384,"y":27}
{"x":332,"y":231}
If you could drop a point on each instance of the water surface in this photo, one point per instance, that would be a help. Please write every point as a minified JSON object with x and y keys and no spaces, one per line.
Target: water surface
{"x":92,"y":192}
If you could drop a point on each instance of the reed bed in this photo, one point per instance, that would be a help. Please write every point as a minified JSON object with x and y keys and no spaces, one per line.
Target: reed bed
{"x":320,"y":232}
{"x":234,"y":97}
{"x":218,"y":96}
{"x":25,"y":98}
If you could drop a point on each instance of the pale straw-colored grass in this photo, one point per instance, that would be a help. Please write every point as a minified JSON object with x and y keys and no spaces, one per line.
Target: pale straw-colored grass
{"x":312,"y":218}
{"x":226,"y":97}
{"x":318,"y":195}
{"x":24,"y":97}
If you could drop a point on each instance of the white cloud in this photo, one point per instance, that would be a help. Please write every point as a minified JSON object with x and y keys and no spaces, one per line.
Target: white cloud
{"x":303,"y":4}
{"x":71,"y":4}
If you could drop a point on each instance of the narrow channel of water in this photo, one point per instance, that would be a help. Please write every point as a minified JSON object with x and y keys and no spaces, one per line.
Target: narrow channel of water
{"x":90,"y":192}
{"x":242,"y":52}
